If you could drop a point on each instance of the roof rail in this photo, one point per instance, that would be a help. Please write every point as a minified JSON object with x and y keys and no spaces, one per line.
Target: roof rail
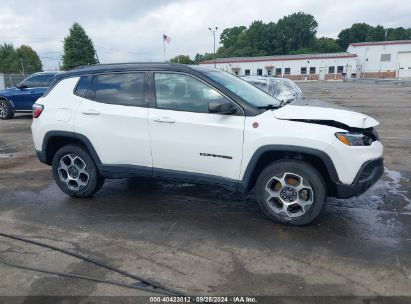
{"x":118,"y":63}
{"x":83,"y":66}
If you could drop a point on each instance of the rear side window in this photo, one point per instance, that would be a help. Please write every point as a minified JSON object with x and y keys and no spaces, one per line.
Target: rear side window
{"x":82,"y":86}
{"x":120,"y":89}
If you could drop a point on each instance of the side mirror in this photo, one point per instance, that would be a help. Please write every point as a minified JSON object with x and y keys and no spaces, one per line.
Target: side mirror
{"x":21,"y":86}
{"x":221,"y":107}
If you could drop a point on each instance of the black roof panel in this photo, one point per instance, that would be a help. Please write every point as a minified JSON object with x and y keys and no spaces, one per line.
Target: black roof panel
{"x":121,"y":67}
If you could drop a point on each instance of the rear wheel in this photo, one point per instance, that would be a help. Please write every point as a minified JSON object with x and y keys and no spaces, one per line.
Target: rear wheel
{"x":75,"y":172}
{"x":6,"y":112}
{"x":291,"y":192}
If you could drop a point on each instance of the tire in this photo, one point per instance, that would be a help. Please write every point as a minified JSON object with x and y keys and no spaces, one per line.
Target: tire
{"x":75,"y":172}
{"x":6,"y":111}
{"x":284,"y":198}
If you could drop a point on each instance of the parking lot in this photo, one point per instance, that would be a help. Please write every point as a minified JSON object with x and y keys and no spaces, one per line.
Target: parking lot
{"x":207,"y":240}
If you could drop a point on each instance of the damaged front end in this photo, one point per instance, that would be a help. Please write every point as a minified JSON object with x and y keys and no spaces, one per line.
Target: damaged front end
{"x":351,"y":136}
{"x":321,"y":112}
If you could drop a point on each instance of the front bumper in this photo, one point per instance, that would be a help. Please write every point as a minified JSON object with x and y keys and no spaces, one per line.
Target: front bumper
{"x":42,"y":157}
{"x":368,"y":175}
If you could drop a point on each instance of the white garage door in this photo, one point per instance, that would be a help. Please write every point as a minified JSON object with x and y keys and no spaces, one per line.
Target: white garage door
{"x":404,"y":62}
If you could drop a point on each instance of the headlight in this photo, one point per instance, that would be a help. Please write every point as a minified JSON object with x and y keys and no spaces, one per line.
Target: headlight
{"x":353,"y":139}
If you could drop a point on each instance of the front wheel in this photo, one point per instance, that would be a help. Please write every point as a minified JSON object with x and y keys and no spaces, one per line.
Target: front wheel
{"x":291,"y":192}
{"x":6,"y":112}
{"x":75,"y":172}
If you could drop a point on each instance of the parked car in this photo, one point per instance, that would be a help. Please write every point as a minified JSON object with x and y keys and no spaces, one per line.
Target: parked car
{"x":282,"y":89}
{"x":21,"y":98}
{"x":202,"y":125}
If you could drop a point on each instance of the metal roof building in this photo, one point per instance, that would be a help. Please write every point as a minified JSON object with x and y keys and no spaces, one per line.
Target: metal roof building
{"x":380,"y":59}
{"x":383,"y":59}
{"x":324,"y":66}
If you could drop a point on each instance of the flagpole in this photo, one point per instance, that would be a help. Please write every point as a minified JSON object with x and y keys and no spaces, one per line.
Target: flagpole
{"x":164,"y":49}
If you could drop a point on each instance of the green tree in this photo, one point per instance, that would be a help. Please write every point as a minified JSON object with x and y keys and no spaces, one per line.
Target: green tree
{"x":30,"y":59}
{"x":274,"y":41}
{"x":78,"y":48}
{"x":229,"y":36}
{"x":240,"y":41}
{"x":202,"y":57}
{"x":257,"y":37}
{"x":296,"y":31}
{"x":11,"y":59}
{"x":326,"y":45}
{"x":295,"y":34}
{"x":376,"y":33}
{"x":358,"y":32}
{"x":398,"y":33}
{"x":7,"y":58}
{"x":183,"y":59}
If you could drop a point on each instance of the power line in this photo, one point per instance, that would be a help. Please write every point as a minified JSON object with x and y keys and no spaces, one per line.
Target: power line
{"x":108,"y":50}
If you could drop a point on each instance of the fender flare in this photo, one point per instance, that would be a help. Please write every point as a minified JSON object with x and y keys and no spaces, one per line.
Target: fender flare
{"x":79,"y":137}
{"x":245,"y":183}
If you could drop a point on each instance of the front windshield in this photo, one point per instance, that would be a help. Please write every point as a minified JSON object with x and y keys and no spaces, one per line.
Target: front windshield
{"x":245,"y":90}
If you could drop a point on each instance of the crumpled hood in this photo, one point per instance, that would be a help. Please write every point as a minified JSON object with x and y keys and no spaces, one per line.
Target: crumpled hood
{"x":306,"y":109}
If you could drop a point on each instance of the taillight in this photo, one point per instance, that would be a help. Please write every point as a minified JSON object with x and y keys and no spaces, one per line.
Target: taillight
{"x":37,"y":110}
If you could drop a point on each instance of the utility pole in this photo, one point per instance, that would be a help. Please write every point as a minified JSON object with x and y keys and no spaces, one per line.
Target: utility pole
{"x":98,"y":61}
{"x":213,"y":30}
{"x":22,"y":65}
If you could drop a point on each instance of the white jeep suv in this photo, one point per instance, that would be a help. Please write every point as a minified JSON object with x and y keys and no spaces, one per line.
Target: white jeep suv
{"x":203,"y":125}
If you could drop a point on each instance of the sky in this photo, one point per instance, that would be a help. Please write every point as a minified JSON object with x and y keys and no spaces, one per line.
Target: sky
{"x":132,"y":30}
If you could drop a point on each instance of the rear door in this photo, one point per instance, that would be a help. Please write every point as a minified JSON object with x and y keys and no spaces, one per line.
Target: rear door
{"x":113,"y":116}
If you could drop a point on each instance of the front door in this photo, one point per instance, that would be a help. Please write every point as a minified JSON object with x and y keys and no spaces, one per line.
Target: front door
{"x":31,"y":90}
{"x":25,"y":98}
{"x":186,"y":138}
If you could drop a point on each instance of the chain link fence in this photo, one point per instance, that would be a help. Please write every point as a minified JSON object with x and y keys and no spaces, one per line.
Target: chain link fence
{"x":11,"y":80}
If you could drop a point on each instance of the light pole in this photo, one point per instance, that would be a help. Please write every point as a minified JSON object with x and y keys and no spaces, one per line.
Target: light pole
{"x":213,"y":30}
{"x":22,"y":65}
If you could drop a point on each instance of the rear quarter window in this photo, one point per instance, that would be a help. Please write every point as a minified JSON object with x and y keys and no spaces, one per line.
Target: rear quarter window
{"x":51,"y":86}
{"x":82,"y":86}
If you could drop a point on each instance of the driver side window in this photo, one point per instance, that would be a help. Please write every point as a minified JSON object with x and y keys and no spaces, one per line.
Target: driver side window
{"x":184,"y":93}
{"x":38,"y":81}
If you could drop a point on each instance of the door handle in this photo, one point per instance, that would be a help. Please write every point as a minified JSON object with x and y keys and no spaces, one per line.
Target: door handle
{"x":90,"y":112}
{"x":164,"y":119}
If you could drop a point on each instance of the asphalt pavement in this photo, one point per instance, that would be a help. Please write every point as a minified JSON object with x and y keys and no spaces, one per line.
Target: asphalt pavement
{"x":204,"y":240}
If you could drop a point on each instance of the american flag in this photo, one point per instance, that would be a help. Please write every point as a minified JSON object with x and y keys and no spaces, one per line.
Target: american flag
{"x":166,"y":38}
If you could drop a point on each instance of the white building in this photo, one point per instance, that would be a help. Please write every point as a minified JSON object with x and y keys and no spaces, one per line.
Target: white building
{"x":383,"y":59}
{"x":295,"y":67}
{"x":390,"y":59}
